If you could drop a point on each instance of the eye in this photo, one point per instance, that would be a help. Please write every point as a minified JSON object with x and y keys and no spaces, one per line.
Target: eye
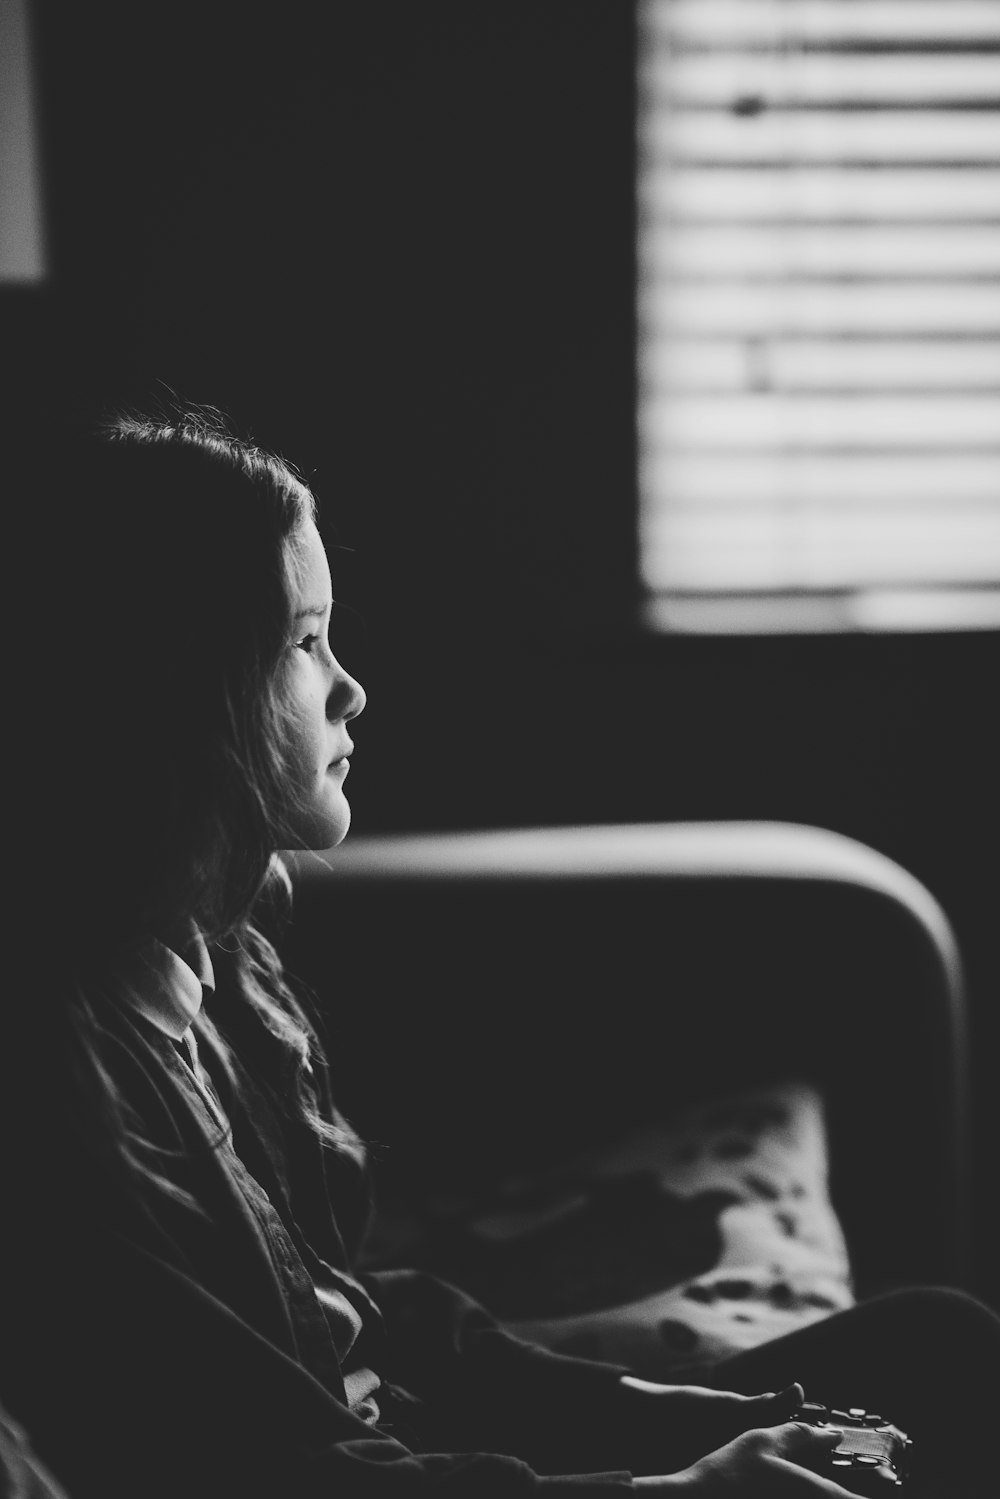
{"x":308,"y":643}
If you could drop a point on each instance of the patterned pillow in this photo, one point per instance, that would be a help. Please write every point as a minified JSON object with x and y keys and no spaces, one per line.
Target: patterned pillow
{"x":677,"y":1245}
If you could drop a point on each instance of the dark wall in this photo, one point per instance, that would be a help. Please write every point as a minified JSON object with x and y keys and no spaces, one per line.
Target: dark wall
{"x":395,"y":241}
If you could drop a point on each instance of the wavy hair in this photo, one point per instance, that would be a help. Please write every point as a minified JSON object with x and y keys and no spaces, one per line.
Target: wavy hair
{"x":170,"y":547}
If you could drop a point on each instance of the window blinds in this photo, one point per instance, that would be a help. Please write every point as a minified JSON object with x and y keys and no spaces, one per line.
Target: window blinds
{"x":819,"y":313}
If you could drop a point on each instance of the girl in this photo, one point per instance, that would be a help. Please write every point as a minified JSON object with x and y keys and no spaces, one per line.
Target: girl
{"x":182,"y":1308}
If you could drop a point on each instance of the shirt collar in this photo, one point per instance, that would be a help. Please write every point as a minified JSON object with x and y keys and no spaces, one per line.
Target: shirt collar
{"x":167,"y":986}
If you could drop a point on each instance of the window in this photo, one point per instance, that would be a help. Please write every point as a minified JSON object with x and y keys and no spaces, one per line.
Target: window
{"x":21,"y":250}
{"x":819,"y":313}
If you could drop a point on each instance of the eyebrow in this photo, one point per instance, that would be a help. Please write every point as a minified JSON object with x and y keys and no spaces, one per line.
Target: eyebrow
{"x":310,"y":610}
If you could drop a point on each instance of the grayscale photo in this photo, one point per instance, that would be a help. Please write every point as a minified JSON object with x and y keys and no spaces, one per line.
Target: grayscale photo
{"x":502,"y":549}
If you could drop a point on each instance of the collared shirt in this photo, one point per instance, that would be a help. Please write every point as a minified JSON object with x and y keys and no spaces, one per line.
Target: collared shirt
{"x":168,"y":987}
{"x":154,"y":1349}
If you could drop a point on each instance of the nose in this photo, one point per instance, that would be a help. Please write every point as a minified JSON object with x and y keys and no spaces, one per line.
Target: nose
{"x":347,"y":697}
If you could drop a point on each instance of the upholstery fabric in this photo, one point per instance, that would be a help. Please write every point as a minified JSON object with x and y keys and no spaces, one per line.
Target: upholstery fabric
{"x":668,"y":1247}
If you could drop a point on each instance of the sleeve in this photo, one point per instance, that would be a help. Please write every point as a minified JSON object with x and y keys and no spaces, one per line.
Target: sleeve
{"x":478,"y":1382}
{"x":22,"y":1476}
{"x":142,"y":1382}
{"x":554,"y":1411}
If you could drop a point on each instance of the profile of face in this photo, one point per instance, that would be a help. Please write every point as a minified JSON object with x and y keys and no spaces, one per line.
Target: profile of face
{"x":322,"y":699}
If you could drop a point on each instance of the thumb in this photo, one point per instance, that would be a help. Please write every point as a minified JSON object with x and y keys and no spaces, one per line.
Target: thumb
{"x":796,"y":1436}
{"x":775,"y":1407}
{"x":788,"y":1399}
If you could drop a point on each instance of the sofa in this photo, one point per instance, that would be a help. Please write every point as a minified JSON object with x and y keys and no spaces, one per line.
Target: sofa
{"x":621,"y":1077}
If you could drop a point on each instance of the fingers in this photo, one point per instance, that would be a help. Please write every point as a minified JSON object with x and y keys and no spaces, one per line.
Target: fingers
{"x":790,"y":1397}
{"x":799,"y":1446}
{"x":775,"y":1407}
{"x":796,"y":1436}
{"x":784,"y":1462}
{"x":796,"y":1480}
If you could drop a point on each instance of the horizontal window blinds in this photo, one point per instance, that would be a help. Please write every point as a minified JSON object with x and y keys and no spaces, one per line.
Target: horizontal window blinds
{"x":819,"y":312}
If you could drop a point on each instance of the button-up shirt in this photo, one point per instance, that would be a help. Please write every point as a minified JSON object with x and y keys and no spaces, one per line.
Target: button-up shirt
{"x":168,"y":987}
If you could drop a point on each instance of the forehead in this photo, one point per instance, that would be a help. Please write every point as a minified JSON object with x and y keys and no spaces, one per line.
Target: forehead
{"x":311,"y":583}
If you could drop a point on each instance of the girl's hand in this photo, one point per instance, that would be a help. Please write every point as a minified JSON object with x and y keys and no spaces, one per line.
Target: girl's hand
{"x":695,"y":1420}
{"x":765,"y":1462}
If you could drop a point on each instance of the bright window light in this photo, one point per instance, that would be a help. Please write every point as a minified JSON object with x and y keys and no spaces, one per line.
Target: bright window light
{"x":819,"y":314}
{"x":22,"y":249}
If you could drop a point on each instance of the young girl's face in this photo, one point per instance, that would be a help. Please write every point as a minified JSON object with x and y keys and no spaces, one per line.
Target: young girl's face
{"x":322,"y":699}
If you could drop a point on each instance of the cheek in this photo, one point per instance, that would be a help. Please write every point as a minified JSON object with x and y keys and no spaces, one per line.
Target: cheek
{"x":307,"y":732}
{"x":307,"y":759}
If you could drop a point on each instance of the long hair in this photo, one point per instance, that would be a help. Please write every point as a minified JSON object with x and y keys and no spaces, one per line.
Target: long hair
{"x":155,"y":781}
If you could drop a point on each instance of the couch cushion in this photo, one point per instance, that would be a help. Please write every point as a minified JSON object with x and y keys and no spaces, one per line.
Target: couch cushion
{"x":671,"y":1246}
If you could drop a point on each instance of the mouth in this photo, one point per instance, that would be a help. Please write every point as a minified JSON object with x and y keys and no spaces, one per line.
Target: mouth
{"x":342,"y":762}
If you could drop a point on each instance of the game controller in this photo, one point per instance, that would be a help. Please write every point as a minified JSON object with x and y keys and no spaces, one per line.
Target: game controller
{"x":872,"y":1455}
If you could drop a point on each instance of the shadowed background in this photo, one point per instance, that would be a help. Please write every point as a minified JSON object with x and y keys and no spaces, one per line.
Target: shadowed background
{"x":396,"y":242}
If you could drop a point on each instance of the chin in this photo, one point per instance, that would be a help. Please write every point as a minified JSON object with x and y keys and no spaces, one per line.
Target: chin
{"x":321,"y":828}
{"x":339,"y":834}
{"x":329,"y":835}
